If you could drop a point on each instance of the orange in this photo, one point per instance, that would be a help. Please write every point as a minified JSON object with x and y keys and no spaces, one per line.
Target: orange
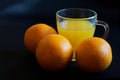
{"x":35,"y":33}
{"x":94,"y":55}
{"x":54,"y":52}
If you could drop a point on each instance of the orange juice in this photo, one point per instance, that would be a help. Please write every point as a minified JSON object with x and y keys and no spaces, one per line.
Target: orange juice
{"x":76,"y":31}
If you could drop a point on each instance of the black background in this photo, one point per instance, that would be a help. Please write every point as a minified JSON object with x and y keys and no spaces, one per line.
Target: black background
{"x":16,"y":16}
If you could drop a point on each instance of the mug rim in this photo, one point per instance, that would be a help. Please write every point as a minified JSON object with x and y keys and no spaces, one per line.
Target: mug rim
{"x":90,"y":10}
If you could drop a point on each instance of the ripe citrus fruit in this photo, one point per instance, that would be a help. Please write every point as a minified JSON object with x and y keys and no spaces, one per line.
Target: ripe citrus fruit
{"x":94,"y":55}
{"x":36,"y":33}
{"x":54,"y":52}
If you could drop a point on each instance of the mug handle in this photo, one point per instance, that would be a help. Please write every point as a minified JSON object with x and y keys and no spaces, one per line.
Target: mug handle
{"x":106,"y":27}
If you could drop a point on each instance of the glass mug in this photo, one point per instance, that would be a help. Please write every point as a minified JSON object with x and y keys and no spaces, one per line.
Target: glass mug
{"x":78,"y":24}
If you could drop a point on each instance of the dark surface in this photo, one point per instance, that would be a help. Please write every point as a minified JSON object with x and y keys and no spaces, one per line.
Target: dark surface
{"x":16,"y":63}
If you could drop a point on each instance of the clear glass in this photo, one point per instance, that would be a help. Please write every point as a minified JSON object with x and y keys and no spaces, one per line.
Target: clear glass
{"x":78,"y":24}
